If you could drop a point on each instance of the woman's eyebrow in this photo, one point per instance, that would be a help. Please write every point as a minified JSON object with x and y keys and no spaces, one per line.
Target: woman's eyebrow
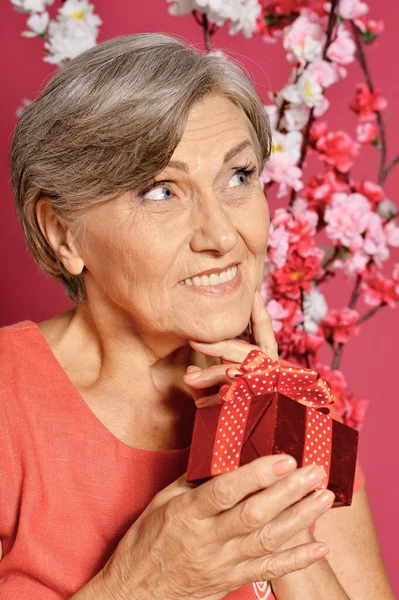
{"x":182,"y":166}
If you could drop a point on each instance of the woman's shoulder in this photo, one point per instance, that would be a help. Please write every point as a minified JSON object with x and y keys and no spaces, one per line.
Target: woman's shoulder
{"x":22,"y":354}
{"x":15,"y":338}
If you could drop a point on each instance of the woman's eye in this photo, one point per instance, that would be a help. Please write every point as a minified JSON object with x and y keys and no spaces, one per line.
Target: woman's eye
{"x":159,"y":192}
{"x":243,"y":176}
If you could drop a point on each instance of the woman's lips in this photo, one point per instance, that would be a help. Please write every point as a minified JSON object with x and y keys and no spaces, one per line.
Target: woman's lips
{"x":220,"y":289}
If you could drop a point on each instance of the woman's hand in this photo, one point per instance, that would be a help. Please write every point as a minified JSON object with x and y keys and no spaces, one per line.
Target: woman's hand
{"x":206,"y":541}
{"x":202,"y":542}
{"x":205,"y":383}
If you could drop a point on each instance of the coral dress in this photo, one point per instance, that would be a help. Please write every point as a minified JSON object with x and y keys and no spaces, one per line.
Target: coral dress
{"x":69,"y":489}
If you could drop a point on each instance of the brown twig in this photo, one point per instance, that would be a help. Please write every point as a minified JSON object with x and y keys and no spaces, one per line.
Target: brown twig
{"x":352,"y":304}
{"x":361,"y":57}
{"x":208,"y":31}
{"x":371,"y":312}
{"x":389,"y":167}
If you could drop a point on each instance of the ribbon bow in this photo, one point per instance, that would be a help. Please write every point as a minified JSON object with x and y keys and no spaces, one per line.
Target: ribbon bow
{"x":260,"y":375}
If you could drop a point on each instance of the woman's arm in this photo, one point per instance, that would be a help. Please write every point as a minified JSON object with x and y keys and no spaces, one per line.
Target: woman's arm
{"x":353,"y":568}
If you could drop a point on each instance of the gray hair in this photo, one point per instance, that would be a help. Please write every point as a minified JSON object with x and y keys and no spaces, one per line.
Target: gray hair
{"x":108,"y":122}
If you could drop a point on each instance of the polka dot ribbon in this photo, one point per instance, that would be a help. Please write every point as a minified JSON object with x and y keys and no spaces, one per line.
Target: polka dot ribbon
{"x":260,"y":375}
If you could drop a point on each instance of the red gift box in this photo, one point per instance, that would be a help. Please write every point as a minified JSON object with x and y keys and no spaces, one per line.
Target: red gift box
{"x":271,"y":409}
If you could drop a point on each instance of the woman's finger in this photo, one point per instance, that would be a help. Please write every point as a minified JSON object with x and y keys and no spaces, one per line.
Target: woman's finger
{"x":290,"y":523}
{"x":205,"y":383}
{"x":214,"y":375}
{"x":262,"y":328}
{"x":228,"y":489}
{"x":233,"y":351}
{"x":281,"y":563}
{"x":260,"y":509}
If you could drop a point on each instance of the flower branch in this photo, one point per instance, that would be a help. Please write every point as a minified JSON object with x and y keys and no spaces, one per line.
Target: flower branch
{"x":361,"y":57}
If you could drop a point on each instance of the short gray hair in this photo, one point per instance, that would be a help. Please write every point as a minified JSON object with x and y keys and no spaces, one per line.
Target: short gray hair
{"x":108,"y":122}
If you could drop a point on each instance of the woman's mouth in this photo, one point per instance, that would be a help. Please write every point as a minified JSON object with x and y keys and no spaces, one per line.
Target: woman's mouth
{"x":224,"y":282}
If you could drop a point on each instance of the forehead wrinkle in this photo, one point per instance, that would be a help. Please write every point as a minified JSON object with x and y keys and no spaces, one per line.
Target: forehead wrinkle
{"x":232,"y":153}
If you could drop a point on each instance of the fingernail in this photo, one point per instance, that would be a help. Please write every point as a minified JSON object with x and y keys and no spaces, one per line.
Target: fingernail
{"x":192,"y":372}
{"x":281,"y":467}
{"x":314,"y":475}
{"x":192,"y":368}
{"x":231,"y":373}
{"x":319,"y":551}
{"x":200,"y":402}
{"x":323,"y":499}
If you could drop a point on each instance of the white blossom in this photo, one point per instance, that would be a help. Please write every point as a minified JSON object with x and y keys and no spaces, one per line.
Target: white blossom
{"x":242,"y":14}
{"x":315,"y":308}
{"x":295,"y":117}
{"x":307,"y":90}
{"x":387,"y":209}
{"x":37,"y":24}
{"x":290,"y":143}
{"x":272,"y":113}
{"x":32,"y":6}
{"x":74,"y":31}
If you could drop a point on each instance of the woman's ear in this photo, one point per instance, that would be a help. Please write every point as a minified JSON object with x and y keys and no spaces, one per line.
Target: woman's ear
{"x":59,"y":237}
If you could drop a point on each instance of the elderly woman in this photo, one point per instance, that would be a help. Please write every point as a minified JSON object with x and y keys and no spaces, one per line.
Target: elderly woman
{"x":136,"y":180}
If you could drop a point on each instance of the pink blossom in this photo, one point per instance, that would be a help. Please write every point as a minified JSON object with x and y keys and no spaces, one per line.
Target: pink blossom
{"x":300,"y":210}
{"x":391,"y":231}
{"x":278,"y":242}
{"x":321,"y":107}
{"x":369,"y":26}
{"x":342,"y":50}
{"x":366,"y":133}
{"x":365,"y":103}
{"x":281,"y":169}
{"x":297,"y":344}
{"x":338,"y":150}
{"x":378,"y":289}
{"x":372,"y":191}
{"x":277,"y":313}
{"x":352,"y":9}
{"x":375,"y":241}
{"x":273,"y":18}
{"x":352,"y":411}
{"x":339,"y":325}
{"x":353,"y":264}
{"x":318,"y":129}
{"x":300,"y":231}
{"x":324,"y":72}
{"x":334,"y":377}
{"x":319,"y":190}
{"x":305,"y":38}
{"x":347,"y":218}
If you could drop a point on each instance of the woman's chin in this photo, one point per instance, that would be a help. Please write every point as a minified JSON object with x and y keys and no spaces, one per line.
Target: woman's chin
{"x":224,"y":331}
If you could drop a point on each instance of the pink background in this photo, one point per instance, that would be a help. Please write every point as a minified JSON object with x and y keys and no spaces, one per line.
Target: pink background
{"x":370,"y":360}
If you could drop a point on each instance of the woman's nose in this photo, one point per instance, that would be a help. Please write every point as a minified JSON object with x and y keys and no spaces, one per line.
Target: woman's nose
{"x":212,"y":228}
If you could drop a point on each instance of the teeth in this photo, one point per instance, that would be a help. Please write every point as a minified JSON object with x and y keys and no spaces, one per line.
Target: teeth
{"x":213,"y":279}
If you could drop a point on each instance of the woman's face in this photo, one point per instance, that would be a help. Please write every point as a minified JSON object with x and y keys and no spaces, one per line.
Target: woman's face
{"x":144,"y":250}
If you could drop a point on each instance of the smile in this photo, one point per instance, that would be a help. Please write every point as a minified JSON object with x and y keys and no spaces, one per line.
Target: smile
{"x":213,"y":279}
